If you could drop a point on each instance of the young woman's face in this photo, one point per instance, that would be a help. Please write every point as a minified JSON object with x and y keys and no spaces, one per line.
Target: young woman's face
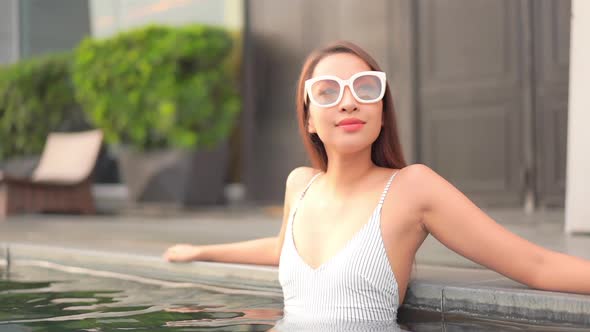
{"x":348,"y":126}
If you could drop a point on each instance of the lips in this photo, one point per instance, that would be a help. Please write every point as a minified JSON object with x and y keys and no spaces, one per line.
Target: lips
{"x":351,"y":124}
{"x":350,"y":121}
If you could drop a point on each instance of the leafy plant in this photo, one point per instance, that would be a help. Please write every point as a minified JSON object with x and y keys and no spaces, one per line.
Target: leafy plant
{"x":159,"y":87}
{"x":36,"y":98}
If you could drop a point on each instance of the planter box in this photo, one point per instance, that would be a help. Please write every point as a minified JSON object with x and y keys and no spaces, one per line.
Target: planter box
{"x":173,"y":176}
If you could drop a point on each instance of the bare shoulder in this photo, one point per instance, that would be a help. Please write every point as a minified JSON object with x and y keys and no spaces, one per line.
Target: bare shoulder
{"x":417,"y":171}
{"x":298,"y":179}
{"x":431,"y":192}
{"x":417,"y":175}
{"x":421,"y":182}
{"x":300,"y":176}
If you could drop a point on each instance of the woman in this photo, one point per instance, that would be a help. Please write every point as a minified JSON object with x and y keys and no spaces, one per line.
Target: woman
{"x":353,"y":223}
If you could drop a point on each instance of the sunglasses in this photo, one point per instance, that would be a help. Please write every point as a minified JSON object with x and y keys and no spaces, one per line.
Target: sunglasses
{"x":327,"y":91}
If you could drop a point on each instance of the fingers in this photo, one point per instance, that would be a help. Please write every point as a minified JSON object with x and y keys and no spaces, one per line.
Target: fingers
{"x":168,"y":256}
{"x":171,"y":254}
{"x":177,"y":253}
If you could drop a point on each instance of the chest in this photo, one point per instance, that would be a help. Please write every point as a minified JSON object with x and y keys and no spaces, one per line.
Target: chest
{"x":321,"y":232}
{"x":323,"y":235}
{"x":343,"y":251}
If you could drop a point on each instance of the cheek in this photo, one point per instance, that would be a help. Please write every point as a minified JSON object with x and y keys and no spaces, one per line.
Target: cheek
{"x":318,"y":118}
{"x":375,"y":131}
{"x":323,"y":125}
{"x":375,"y":113}
{"x":375,"y":123}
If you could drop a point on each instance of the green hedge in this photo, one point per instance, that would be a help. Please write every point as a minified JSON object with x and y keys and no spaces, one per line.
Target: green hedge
{"x":36,"y":98}
{"x":159,"y":87}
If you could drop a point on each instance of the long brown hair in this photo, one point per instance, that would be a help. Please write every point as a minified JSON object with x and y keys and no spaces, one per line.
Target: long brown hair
{"x":386,"y":151}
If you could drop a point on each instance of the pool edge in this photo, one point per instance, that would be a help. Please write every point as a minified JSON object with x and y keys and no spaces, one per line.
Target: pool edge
{"x":474,"y":300}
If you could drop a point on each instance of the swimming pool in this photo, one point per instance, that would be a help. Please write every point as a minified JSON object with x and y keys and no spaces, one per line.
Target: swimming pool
{"x":50,"y":299}
{"x":44,"y":296}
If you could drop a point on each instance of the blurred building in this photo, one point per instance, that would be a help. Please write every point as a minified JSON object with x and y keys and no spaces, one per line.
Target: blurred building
{"x":480,"y":88}
{"x":34,"y":27}
{"x":112,"y":16}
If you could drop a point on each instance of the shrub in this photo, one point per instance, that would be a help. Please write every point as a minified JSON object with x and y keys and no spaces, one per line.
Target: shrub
{"x":36,"y":98}
{"x":159,"y":87}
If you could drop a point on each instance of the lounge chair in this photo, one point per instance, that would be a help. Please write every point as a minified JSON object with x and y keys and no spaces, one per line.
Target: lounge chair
{"x":62,"y":182}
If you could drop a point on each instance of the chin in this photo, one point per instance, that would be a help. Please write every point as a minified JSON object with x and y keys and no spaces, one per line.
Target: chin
{"x":352,"y":147}
{"x":350,"y":143}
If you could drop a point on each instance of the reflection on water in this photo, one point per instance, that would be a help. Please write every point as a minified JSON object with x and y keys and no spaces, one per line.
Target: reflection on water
{"x":86,"y":303}
{"x":71,"y":302}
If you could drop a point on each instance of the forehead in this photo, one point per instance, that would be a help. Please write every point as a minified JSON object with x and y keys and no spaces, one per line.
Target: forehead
{"x":342,"y":65}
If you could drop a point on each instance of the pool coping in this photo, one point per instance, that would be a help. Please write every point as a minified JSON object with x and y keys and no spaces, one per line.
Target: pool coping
{"x":480,"y":300}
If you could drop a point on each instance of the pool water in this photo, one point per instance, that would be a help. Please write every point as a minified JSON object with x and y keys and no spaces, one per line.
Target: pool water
{"x":39,"y":299}
{"x":34,"y":298}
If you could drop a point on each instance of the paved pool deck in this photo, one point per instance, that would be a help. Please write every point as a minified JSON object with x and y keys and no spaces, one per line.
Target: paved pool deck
{"x":443,"y":282}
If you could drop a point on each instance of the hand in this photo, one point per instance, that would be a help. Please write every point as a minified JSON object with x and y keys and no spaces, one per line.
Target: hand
{"x":182,"y":253}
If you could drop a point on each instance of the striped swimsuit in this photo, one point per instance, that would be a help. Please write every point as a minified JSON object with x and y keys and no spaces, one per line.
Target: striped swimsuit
{"x":356,"y":285}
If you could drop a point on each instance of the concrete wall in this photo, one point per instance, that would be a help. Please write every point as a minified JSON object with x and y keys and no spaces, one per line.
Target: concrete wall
{"x":35,"y":27}
{"x":577,"y":205}
{"x":9,"y":32}
{"x":52,"y":26}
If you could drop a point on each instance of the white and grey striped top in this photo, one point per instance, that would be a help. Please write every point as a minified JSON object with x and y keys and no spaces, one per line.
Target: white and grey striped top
{"x":355,"y":285}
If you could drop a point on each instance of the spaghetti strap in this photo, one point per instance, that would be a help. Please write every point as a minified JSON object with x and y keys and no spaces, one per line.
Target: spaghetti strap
{"x":309,"y":185}
{"x":294,"y":208}
{"x":387,"y":188}
{"x":360,"y":269}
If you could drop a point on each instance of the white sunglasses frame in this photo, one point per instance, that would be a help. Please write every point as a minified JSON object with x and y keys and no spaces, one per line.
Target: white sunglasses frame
{"x":343,"y":84}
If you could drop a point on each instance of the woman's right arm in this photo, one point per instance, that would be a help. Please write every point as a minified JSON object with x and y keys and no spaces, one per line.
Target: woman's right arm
{"x":264,"y":251}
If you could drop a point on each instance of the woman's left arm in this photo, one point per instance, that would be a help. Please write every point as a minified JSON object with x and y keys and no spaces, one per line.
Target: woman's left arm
{"x":461,"y":226}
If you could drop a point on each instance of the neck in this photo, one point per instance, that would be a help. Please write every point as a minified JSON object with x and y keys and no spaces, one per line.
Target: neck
{"x":344,"y":172}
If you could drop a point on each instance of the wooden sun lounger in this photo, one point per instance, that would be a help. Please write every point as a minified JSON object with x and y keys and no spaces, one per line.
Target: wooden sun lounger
{"x":62,"y":182}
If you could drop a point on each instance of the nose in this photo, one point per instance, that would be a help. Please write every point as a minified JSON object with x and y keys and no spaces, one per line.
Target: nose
{"x":348,"y":102}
